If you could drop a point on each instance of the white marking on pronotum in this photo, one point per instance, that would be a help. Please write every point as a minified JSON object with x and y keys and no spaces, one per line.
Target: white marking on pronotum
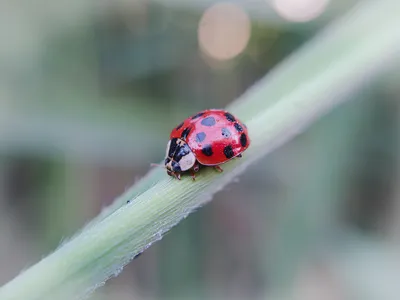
{"x":187,"y":161}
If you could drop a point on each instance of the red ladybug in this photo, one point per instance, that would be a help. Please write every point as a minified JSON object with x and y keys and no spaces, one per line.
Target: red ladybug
{"x":210,"y":138}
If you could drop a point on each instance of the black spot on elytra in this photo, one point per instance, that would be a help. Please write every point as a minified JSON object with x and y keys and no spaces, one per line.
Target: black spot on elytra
{"x":185,"y":133}
{"x":228,"y":151}
{"x":225,"y":132}
{"x":238,"y":127}
{"x":229,"y":117}
{"x":207,"y":150}
{"x":179,"y":126}
{"x":197,"y":115}
{"x":172,"y":147}
{"x":200,"y":137}
{"x":243,"y":140}
{"x":209,"y":121}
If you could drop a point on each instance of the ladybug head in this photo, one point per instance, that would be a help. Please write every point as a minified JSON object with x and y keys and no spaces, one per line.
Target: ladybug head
{"x":179,"y":157}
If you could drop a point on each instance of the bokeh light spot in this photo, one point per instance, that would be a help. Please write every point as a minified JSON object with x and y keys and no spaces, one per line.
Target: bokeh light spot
{"x":224,"y":31}
{"x":299,"y":10}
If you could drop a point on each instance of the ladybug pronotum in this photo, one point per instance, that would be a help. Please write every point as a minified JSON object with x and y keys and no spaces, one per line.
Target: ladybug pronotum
{"x":209,"y":138}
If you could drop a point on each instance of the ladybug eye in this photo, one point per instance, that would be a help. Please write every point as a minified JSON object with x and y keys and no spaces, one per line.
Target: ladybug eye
{"x":176,"y":167}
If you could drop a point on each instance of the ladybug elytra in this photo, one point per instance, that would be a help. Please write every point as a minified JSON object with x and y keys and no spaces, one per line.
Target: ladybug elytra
{"x":209,"y":138}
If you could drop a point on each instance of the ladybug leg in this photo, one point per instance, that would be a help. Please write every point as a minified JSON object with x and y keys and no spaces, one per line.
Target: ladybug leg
{"x":239,"y":155}
{"x":192,"y":172}
{"x":218,"y":168}
{"x":173,"y":174}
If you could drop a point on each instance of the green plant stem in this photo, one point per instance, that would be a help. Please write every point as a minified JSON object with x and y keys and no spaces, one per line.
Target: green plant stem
{"x":340,"y":60}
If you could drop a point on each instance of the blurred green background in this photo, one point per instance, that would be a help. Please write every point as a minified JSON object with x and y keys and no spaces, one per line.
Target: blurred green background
{"x":89,"y":92}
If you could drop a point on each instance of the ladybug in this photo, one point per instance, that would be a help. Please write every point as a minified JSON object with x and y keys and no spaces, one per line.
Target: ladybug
{"x":209,"y":138}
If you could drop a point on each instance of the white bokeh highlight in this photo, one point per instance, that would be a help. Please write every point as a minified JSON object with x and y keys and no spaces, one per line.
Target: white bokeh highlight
{"x":224,"y":31}
{"x":299,"y":10}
